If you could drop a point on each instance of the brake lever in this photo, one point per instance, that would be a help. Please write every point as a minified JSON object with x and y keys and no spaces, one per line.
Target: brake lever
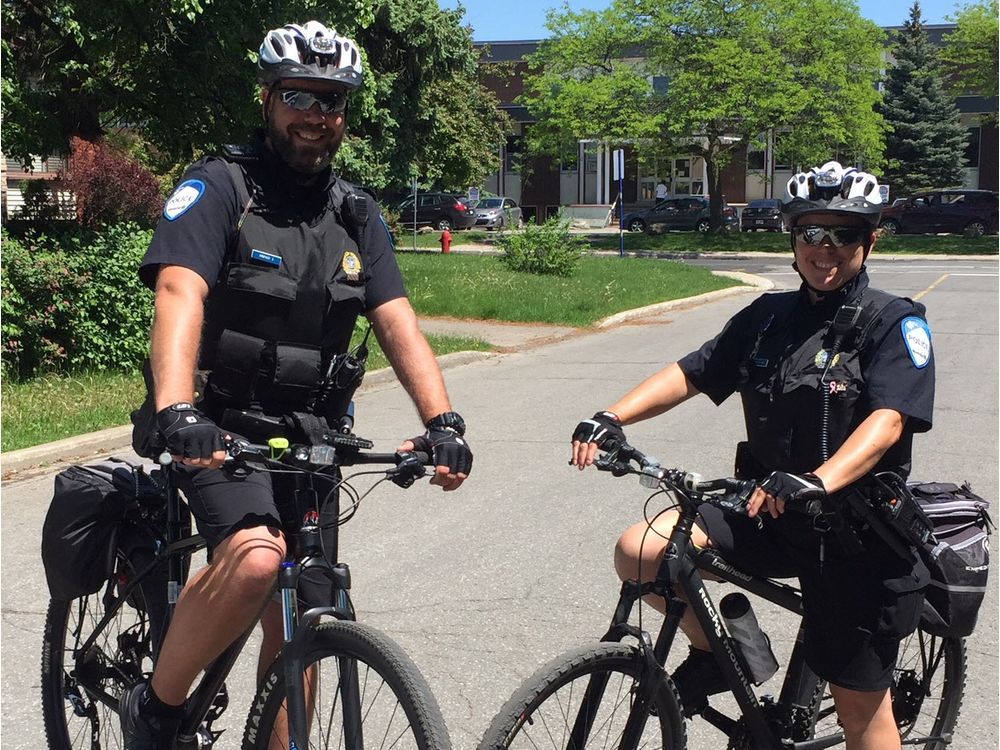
{"x":409,"y":468}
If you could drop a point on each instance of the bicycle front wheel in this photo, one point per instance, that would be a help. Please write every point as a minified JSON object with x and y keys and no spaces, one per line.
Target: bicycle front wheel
{"x":928,"y":683}
{"x":362,"y":691}
{"x":583,"y":700}
{"x":80,"y":689}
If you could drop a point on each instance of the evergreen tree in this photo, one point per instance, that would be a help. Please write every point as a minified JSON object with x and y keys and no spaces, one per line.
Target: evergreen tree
{"x":926,"y":147}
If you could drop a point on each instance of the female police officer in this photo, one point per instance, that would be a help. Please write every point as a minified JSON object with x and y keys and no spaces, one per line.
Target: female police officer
{"x":835,"y":378}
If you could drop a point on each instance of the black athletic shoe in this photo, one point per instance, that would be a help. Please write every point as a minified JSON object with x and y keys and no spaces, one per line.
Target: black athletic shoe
{"x":696,"y":678}
{"x":140,"y":732}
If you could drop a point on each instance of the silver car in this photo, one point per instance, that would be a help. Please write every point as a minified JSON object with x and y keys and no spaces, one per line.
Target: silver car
{"x":498,"y":213}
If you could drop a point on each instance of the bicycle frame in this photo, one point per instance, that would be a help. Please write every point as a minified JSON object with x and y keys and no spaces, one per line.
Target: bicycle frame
{"x":680,"y":566}
{"x":310,"y":556}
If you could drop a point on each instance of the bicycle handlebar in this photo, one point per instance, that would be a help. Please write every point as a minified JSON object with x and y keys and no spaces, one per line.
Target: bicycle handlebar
{"x":729,"y":493}
{"x":405,"y":466}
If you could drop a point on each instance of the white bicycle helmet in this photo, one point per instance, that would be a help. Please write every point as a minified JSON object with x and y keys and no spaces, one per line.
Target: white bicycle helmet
{"x":832,"y":188}
{"x":313,"y":52}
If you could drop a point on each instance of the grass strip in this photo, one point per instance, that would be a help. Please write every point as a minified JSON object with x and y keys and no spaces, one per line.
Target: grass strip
{"x":729,"y":242}
{"x":60,"y":406}
{"x":481,"y":287}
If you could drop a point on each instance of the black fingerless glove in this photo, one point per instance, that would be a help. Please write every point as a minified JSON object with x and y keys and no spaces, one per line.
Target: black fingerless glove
{"x":187,"y":432}
{"x":445,"y":442}
{"x":794,"y":487}
{"x":603,"y":428}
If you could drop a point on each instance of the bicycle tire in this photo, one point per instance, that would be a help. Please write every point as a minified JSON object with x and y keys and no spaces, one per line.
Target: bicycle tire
{"x":926,"y":702}
{"x":524,"y":722}
{"x":80,"y":696}
{"x":408,"y":718}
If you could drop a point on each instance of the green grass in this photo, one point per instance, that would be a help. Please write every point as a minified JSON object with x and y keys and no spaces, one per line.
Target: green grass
{"x":693,"y":242}
{"x":432,"y":240}
{"x":54,"y":407}
{"x":772,"y":242}
{"x":480,"y":287}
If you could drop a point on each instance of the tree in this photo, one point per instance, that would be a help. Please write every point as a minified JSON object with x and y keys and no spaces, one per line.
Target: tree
{"x":733,"y":70}
{"x":926,"y":145}
{"x":969,"y":55}
{"x":181,"y":72}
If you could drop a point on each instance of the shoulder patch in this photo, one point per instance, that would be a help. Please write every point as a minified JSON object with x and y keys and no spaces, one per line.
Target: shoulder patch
{"x":186,"y":195}
{"x":917,"y":337}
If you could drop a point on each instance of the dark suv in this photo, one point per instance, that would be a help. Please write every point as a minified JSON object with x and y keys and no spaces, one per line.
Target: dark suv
{"x":969,"y":212}
{"x":678,"y":213}
{"x":439,"y":210}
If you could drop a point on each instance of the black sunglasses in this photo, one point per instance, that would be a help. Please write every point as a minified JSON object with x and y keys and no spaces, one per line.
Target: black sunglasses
{"x":838,"y":236}
{"x":303,"y":100}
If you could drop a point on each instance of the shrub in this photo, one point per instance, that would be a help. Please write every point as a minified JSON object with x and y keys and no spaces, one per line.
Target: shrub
{"x":72,"y":300}
{"x":111,"y":187}
{"x":548,"y":249}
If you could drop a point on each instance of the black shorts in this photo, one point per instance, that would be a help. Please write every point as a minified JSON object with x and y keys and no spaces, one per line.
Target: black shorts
{"x":857,"y":607}
{"x":222,"y":506}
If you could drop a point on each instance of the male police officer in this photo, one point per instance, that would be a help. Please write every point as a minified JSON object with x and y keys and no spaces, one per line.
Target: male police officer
{"x":261,"y":263}
{"x":835,"y":379}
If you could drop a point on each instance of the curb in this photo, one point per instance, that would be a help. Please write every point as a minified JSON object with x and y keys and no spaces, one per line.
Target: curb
{"x":752,"y":283}
{"x":26,"y":462}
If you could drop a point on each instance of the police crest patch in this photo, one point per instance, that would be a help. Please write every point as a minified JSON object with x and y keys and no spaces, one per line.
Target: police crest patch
{"x":917,"y":337}
{"x":351,"y":264}
{"x":186,"y":195}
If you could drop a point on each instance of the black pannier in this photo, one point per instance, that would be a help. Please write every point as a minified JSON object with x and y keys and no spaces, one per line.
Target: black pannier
{"x":82,"y":526}
{"x":957,"y":556}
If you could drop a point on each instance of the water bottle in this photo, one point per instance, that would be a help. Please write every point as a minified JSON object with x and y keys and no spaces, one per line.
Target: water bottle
{"x":753,"y":644}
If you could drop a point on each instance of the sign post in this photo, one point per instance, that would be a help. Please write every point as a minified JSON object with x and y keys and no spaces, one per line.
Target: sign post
{"x":414,"y":186}
{"x":619,"y":174}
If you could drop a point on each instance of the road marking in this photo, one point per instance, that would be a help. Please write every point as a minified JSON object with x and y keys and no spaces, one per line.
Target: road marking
{"x":931,"y":287}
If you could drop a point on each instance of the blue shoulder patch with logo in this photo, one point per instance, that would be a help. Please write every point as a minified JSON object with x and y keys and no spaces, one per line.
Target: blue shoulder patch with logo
{"x":186,"y":195}
{"x":917,"y":337}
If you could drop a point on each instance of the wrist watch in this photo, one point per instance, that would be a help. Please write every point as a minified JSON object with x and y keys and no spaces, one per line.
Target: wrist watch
{"x":449,"y":420}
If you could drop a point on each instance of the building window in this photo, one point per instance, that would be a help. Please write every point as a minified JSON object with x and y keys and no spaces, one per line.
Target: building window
{"x":972,"y":148}
{"x":660,"y":84}
{"x":755,"y":160}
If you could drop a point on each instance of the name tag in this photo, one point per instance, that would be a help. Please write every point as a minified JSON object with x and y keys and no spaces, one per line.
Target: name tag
{"x":268,"y":258}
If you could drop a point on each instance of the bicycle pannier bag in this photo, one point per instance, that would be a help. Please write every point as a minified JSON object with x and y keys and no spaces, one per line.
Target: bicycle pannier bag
{"x":80,"y":532}
{"x":957,"y":555}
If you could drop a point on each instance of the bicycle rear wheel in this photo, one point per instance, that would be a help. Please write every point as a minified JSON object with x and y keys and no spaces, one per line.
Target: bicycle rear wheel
{"x":80,"y":691}
{"x":927,"y":689}
{"x":397,"y":708}
{"x":583,"y":700}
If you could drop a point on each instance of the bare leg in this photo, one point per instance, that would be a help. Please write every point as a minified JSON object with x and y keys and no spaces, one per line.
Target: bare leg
{"x":867,"y":719}
{"x":638,"y":554}
{"x":216,"y":606}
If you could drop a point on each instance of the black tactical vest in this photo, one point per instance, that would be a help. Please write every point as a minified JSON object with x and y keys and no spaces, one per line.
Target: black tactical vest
{"x":288,"y":295}
{"x":788,"y":368}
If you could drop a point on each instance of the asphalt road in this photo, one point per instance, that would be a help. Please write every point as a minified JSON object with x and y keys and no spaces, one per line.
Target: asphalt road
{"x":484,"y":585}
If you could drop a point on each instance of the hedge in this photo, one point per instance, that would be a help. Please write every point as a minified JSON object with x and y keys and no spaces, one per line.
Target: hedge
{"x":71,"y":300}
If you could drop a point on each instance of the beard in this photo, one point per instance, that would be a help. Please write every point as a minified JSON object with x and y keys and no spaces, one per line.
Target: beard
{"x":304,"y":158}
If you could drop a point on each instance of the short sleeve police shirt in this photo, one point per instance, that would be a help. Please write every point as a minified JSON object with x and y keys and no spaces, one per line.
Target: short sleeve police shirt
{"x":201,"y":215}
{"x":897,"y":365}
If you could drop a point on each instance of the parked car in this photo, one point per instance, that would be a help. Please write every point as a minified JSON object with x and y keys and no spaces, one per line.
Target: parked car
{"x":763,"y":213}
{"x":439,"y":210}
{"x":497,"y":213}
{"x":970,"y":212}
{"x":679,"y":213}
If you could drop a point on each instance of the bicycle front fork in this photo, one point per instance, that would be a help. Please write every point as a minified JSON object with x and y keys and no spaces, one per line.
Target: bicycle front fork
{"x":295,"y":630}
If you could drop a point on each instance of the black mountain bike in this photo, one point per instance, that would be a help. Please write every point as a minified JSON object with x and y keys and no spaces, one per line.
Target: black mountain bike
{"x":617,"y":693}
{"x":343,"y":684}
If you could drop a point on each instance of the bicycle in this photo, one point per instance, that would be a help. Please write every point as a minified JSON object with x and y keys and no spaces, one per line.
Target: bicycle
{"x":618,"y":694}
{"x":344,"y":684}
